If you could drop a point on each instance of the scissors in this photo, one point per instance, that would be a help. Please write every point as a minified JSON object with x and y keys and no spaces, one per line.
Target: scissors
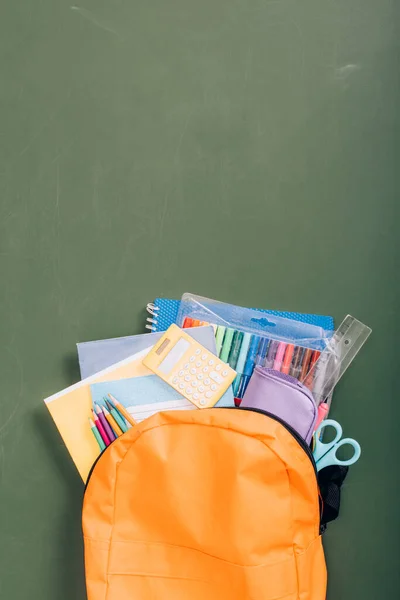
{"x":325,"y":454}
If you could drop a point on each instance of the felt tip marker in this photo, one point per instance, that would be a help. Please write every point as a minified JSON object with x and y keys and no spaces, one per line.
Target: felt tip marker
{"x":249,"y":365}
{"x":241,"y":361}
{"x":280,"y":353}
{"x":273,"y":347}
{"x":287,"y":361}
{"x":262,"y":352}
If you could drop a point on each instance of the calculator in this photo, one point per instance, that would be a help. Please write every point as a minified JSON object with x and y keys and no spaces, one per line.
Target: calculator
{"x":191,"y":369}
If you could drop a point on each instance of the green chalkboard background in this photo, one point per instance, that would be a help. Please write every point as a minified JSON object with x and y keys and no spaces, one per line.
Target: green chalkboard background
{"x":245,"y":150}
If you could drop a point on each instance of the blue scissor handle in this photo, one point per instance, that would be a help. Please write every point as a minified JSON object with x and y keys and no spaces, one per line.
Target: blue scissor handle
{"x":325,"y":454}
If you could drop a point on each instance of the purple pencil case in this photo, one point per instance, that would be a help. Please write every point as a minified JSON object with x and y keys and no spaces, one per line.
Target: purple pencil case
{"x":283,"y":396}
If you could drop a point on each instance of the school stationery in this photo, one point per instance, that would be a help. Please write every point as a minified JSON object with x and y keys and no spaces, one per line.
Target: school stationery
{"x":249,"y":365}
{"x":121,"y":409}
{"x":326,"y":454}
{"x":98,"y":355}
{"x":71,"y":408}
{"x":190,"y":368}
{"x":333,"y":362}
{"x":163,"y":312}
{"x":282,"y":396}
{"x":110,"y":433}
{"x":97,"y":435}
{"x":112,"y":422}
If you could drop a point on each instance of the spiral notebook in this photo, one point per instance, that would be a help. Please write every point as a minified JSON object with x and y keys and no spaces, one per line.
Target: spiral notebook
{"x":164,"y":311}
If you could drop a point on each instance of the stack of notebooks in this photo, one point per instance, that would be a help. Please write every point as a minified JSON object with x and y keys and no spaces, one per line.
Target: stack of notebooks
{"x":114,"y":368}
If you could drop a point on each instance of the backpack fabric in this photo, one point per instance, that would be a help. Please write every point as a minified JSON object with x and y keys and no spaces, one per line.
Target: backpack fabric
{"x":214,"y":504}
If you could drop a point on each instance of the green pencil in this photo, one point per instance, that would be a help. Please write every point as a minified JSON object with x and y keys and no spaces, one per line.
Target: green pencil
{"x":97,"y":436}
{"x":226,"y":346}
{"x":117,"y":416}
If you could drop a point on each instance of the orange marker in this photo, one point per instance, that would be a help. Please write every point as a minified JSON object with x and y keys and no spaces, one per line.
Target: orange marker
{"x":121,"y":409}
{"x":187,"y":323}
{"x":287,"y":361}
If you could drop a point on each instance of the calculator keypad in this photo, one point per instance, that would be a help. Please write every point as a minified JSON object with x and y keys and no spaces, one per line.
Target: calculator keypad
{"x":202,"y":379}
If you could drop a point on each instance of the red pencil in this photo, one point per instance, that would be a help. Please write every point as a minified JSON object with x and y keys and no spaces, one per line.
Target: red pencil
{"x":101,"y":429}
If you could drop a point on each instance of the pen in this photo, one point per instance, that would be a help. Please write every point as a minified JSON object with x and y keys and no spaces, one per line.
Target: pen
{"x":188,"y":322}
{"x":235,"y":349}
{"x":226,"y":346}
{"x":287,"y":361}
{"x":269,"y":361}
{"x":262,"y":351}
{"x":249,"y":365}
{"x":280,"y":353}
{"x":241,"y":361}
{"x":219,"y":337}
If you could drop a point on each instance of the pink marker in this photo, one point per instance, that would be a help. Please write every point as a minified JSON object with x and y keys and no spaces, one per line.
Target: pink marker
{"x":280,"y":353}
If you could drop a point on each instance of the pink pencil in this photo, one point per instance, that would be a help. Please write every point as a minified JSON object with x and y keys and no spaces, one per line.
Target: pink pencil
{"x":101,"y":429}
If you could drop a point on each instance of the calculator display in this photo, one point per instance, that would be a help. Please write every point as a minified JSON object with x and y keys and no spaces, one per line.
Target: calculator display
{"x":174,"y":356}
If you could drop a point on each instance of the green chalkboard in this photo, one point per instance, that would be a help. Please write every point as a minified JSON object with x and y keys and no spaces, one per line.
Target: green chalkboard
{"x":245,"y":150}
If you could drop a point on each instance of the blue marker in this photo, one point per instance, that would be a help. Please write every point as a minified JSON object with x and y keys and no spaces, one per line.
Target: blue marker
{"x":262,"y":352}
{"x":244,"y":348}
{"x":249,"y":366}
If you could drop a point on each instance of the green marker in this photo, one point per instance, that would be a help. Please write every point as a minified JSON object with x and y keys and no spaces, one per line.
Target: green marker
{"x":226,"y":346}
{"x":235,"y":349}
{"x":219,"y":338}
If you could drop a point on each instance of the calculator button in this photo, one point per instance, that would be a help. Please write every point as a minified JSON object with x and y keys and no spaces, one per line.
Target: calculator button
{"x":216,"y":377}
{"x":200,"y":376}
{"x":207,"y":381}
{"x":204,"y":357}
{"x":189,"y":390}
{"x":201,"y":388}
{"x":181,"y":373}
{"x":202,"y":402}
{"x":224,"y":373}
{"x":218,"y":368}
{"x":214,"y":387}
{"x":192,"y":359}
{"x":187,"y":378}
{"x":186,"y":366}
{"x":209,"y":394}
{"x":206,"y":369}
{"x":198,"y":364}
{"x":175,"y":380}
{"x":198,"y":351}
{"x":211,"y":362}
{"x":196,"y":396}
{"x":181,"y":386}
{"x":195,"y":383}
{"x":193,"y":371}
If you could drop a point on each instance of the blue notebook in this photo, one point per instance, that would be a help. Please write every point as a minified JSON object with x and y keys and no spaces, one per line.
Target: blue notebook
{"x":164,"y":311}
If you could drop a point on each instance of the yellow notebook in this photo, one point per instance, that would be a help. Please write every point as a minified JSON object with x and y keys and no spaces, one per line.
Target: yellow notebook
{"x":71,"y":409}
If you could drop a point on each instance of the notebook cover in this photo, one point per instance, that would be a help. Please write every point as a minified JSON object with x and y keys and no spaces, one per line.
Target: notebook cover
{"x":167,"y":311}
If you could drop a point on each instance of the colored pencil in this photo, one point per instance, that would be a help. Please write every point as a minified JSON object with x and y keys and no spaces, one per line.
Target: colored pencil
{"x":101,"y":429}
{"x":111,"y":435}
{"x":119,"y":418}
{"x":121,"y":409}
{"x":112,"y":422}
{"x":96,"y":434}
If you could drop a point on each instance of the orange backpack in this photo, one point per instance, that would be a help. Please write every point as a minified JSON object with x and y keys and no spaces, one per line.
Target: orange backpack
{"x":215,"y":504}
